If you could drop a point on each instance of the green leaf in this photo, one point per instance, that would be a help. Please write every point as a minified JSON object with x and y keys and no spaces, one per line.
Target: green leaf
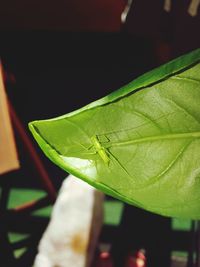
{"x":19,"y":196}
{"x":140,"y":144}
{"x":15,"y":237}
{"x":178,"y":224}
{"x":19,"y":252}
{"x":113,"y":212}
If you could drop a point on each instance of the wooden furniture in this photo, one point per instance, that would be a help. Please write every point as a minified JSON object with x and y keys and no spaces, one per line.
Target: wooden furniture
{"x":18,"y":219}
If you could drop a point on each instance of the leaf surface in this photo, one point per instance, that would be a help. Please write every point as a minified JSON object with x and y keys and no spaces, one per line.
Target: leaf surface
{"x":140,"y":144}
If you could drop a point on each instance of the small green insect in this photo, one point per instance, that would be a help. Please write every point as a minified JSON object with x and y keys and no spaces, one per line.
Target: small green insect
{"x":100,"y":150}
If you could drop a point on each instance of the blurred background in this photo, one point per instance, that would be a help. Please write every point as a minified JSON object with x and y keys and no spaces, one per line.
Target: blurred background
{"x":60,"y":55}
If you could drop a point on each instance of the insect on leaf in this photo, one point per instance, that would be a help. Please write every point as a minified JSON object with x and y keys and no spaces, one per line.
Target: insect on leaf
{"x":140,"y":144}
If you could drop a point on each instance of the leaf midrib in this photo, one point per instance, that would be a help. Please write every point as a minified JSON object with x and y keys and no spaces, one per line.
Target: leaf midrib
{"x":154,"y":138}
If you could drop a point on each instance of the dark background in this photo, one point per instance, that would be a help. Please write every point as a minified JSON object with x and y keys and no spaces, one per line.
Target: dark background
{"x":61,"y":55}
{"x":65,"y":54}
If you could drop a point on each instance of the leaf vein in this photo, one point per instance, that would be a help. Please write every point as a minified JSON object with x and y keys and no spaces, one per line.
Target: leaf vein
{"x":192,"y":80}
{"x":174,"y":136}
{"x":182,"y":109}
{"x":154,"y":179}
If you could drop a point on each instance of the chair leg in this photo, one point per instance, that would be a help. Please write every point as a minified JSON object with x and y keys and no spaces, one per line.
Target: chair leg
{"x":43,"y":175}
{"x":197,"y":264}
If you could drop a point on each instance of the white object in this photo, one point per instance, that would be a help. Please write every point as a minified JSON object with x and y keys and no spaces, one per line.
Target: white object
{"x":167,"y":5}
{"x":193,"y":8}
{"x":72,"y":233}
{"x":126,"y":11}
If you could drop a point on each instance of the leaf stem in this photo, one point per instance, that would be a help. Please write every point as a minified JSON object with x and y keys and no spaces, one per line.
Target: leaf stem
{"x":155,"y":138}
